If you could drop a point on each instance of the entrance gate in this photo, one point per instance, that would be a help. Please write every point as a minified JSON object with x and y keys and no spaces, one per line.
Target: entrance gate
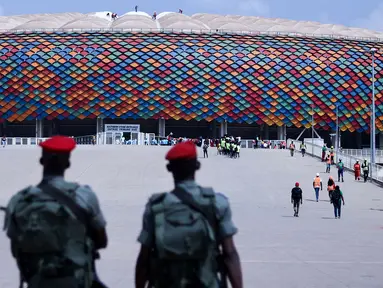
{"x":119,"y":133}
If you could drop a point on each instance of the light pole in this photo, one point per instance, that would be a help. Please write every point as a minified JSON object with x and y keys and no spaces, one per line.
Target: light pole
{"x":373,"y":51}
{"x":337,"y":134}
{"x":312,"y":129}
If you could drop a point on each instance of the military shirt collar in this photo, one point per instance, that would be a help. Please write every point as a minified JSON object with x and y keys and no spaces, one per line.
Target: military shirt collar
{"x":188,"y":184}
{"x":52,"y":177}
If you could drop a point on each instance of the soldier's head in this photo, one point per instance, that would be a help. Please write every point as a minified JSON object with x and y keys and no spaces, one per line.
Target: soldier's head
{"x":183,"y":161}
{"x":56,"y":154}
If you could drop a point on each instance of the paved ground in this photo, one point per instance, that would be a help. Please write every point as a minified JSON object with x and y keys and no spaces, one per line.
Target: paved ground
{"x":276,"y":249}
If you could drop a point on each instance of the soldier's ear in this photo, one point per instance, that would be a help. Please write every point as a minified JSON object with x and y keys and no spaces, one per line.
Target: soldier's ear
{"x":197,"y":165}
{"x":41,"y":161}
{"x":169,"y":167}
{"x":67,"y":165}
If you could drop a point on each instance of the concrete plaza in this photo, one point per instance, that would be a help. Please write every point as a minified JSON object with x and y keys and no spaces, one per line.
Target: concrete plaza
{"x":276,"y":249}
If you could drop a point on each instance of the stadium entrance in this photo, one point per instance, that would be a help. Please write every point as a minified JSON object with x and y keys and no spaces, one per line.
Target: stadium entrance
{"x":118,"y":133}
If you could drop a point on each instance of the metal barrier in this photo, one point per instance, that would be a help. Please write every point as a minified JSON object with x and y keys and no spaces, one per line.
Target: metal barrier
{"x":362,"y":152}
{"x":23,"y":141}
{"x":376,"y":171}
{"x":85,"y":140}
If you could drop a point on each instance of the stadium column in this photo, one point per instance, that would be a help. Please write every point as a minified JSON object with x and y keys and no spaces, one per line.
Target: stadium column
{"x":281,"y":132}
{"x":39,"y":128}
{"x":223,"y":128}
{"x":161,"y":127}
{"x":100,"y":130}
{"x":266,"y":134}
{"x":359,"y":140}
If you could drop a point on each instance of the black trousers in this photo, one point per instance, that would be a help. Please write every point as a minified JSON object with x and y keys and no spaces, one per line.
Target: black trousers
{"x":205,"y":153}
{"x":365,"y":175}
{"x":296,"y":203}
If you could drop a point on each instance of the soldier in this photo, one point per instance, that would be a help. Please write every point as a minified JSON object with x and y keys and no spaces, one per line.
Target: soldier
{"x":184,"y":232}
{"x":56,"y":227}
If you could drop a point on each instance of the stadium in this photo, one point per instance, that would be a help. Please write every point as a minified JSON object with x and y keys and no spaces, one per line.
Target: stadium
{"x":199,"y":75}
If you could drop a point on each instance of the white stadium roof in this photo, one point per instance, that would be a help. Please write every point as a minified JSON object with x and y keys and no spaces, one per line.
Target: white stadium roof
{"x":197,"y":23}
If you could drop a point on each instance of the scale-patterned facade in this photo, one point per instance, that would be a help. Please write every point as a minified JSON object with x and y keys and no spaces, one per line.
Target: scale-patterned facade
{"x":275,"y":80}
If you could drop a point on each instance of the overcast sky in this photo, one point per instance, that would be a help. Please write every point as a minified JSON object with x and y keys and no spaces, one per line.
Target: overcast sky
{"x":357,"y":13}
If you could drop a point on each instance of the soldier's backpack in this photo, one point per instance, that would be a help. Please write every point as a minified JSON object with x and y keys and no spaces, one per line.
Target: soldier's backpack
{"x":186,"y":249}
{"x":50,"y":244}
{"x":335,"y":196}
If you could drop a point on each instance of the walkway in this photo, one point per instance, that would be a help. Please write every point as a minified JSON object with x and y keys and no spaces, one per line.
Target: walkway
{"x":276,"y":249}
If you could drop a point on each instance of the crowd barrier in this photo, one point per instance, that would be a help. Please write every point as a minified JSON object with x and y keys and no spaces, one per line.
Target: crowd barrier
{"x":24,"y":141}
{"x":376,"y":171}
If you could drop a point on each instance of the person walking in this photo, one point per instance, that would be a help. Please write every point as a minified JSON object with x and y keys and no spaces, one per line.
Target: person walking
{"x":336,"y":200}
{"x":204,"y":148}
{"x":366,"y":170}
{"x":330,"y":186}
{"x":332,"y":155}
{"x":187,"y":234}
{"x":340,"y":167}
{"x":317,"y":184}
{"x":296,"y":198}
{"x":324,"y":150}
{"x":357,"y":169}
{"x":56,"y":227}
{"x":303,"y":149}
{"x":328,"y":164}
{"x":292,"y":148}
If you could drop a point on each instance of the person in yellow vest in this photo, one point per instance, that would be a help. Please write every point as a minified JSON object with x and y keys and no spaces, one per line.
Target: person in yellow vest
{"x":317,"y":184}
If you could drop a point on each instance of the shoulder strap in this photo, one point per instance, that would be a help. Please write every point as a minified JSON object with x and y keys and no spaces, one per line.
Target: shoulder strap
{"x":188,"y":200}
{"x":65,"y":200}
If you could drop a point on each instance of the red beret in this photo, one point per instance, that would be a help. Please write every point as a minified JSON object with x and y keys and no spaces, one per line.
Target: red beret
{"x":297,"y":184}
{"x":59,"y":144}
{"x":182,"y":151}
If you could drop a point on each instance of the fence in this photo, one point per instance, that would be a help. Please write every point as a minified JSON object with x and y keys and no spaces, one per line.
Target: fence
{"x":376,"y":171}
{"x":362,"y":152}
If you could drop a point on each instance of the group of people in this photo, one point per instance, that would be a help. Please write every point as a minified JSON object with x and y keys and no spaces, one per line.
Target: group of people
{"x":269,"y":144}
{"x":56,"y":229}
{"x":329,"y":159}
{"x":335,"y":195}
{"x":154,"y":16}
{"x":229,"y":146}
{"x":365,"y":168}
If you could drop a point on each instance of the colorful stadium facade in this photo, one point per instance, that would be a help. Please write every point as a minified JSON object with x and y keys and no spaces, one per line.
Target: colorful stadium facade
{"x":250,"y":78}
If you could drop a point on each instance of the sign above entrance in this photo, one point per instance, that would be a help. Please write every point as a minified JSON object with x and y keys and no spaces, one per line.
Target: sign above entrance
{"x":122,"y":128}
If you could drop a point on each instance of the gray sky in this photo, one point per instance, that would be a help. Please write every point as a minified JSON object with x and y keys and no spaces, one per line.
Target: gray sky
{"x":357,"y":13}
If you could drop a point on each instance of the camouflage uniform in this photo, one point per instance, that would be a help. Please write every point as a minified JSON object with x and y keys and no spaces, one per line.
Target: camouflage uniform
{"x":226,"y":227}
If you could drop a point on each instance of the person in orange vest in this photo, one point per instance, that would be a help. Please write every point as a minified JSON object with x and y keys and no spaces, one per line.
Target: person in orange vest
{"x":332,"y":155}
{"x":330,"y":186}
{"x":317,"y":184}
{"x":328,"y":164}
{"x":357,"y":169}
